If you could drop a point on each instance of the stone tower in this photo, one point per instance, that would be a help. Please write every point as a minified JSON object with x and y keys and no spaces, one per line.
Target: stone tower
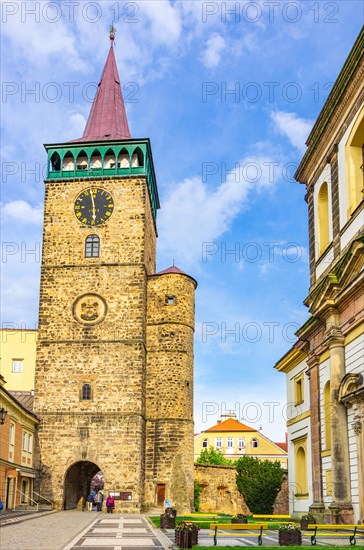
{"x":114,"y":373}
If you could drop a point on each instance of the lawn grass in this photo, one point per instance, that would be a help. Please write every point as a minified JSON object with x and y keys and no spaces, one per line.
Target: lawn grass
{"x":203,"y":524}
{"x":269,"y":547}
{"x":206,"y":520}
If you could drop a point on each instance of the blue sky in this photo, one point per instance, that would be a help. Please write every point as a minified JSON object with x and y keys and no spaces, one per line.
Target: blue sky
{"x":228,"y":101}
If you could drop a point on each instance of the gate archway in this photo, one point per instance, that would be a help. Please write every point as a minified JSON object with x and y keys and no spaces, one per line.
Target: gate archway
{"x":77,"y":482}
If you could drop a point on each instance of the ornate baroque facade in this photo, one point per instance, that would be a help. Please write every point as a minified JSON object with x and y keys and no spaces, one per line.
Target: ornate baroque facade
{"x":325,"y":368}
{"x":114,"y":372}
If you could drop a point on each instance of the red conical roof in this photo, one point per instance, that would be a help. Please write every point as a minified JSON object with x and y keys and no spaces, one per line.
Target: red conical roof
{"x":107,"y":119}
{"x":172,"y":269}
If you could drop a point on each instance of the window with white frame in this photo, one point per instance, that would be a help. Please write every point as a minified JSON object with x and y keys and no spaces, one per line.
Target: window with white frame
{"x":204,"y":443}
{"x":12,"y":434}
{"x":241,"y":443}
{"x":30,"y":443}
{"x":255,"y":443}
{"x":25,"y":439}
{"x":218,"y":443}
{"x":17,"y":365}
{"x":230,"y":443}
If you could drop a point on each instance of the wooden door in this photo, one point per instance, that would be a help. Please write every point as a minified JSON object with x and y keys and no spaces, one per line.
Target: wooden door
{"x":161,"y":494}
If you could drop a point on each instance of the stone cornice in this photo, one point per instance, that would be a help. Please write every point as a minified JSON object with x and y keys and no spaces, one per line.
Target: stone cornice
{"x":326,"y":293}
{"x":347,"y":85}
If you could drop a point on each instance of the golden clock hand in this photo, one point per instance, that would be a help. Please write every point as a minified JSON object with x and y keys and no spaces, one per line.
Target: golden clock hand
{"x":93,"y":207}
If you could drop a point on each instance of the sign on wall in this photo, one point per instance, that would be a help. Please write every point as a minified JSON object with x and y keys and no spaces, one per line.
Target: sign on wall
{"x":119,"y":495}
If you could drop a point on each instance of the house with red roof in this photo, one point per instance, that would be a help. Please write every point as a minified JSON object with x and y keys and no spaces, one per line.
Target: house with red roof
{"x":235,"y":439}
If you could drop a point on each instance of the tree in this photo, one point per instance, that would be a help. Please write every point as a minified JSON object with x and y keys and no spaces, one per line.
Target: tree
{"x":213,"y":456}
{"x":259,"y":481}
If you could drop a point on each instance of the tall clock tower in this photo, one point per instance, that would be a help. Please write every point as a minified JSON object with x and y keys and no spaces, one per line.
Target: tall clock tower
{"x":114,"y":374}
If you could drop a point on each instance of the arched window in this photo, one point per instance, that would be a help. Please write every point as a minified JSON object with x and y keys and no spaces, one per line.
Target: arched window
{"x":55,"y":162}
{"x":323,"y":218}
{"x":82,"y":161}
{"x":301,"y":470}
{"x":92,"y":246}
{"x":137,"y":158}
{"x":354,"y":158}
{"x":327,"y":415}
{"x":109,"y":159}
{"x":124,"y":159}
{"x":96,"y":161}
{"x":68,"y":162}
{"x":255,"y":443}
{"x":204,"y":443}
{"x":86,"y":392}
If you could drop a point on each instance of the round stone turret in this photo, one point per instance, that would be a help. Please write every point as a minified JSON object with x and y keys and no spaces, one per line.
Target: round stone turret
{"x":169,"y":402}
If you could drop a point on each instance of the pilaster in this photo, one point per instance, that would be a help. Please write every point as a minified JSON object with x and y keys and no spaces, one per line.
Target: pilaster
{"x":341,"y":507}
{"x":314,"y":378}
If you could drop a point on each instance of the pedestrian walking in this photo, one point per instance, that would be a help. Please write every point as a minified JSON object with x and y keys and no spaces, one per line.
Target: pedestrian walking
{"x":90,"y":501}
{"x":98,"y":500}
{"x":110,"y":504}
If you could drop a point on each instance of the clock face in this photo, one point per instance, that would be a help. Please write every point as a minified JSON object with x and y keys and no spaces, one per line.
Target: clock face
{"x":94,"y":206}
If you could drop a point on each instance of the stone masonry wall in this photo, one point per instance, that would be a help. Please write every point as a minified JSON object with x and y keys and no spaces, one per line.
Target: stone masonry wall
{"x":220,"y":493}
{"x":108,"y":430}
{"x":219,"y":490}
{"x":169,"y":389}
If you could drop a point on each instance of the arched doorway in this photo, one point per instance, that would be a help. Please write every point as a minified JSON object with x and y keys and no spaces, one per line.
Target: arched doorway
{"x":80,"y":479}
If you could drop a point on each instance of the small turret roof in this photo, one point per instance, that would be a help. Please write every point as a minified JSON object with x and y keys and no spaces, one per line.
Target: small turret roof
{"x":172,"y":269}
{"x":107,"y":120}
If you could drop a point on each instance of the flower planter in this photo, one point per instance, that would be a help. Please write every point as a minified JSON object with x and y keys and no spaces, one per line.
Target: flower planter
{"x":290,"y":537}
{"x":306,"y":522}
{"x":194,"y":536}
{"x":239,"y":520}
{"x":185,"y":539}
{"x":168,"y":522}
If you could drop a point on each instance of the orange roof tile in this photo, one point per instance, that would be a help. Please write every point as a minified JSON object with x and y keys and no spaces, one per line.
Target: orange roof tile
{"x":283,"y":446}
{"x":230,"y":425}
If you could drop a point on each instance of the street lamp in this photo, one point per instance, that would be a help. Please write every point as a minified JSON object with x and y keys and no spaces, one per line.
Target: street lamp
{"x":3,"y":413}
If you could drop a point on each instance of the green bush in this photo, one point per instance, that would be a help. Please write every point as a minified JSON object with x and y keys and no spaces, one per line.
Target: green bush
{"x":196,"y":495}
{"x":259,"y":481}
{"x":213,"y":456}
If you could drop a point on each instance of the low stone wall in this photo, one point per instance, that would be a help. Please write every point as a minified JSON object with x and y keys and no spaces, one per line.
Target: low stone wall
{"x":220,"y":493}
{"x":281,"y":504}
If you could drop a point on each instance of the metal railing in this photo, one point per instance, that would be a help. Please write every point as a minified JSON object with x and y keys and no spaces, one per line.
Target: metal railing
{"x":43,"y":498}
{"x":27,"y":497}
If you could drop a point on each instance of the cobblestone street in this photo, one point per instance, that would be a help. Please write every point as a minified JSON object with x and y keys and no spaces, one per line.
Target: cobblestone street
{"x":75,"y":530}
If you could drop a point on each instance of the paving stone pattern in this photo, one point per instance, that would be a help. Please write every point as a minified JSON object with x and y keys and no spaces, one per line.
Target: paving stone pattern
{"x":116,"y":532}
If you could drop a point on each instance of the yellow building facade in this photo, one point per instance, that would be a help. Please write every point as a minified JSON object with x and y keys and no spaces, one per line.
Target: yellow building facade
{"x":17,"y":438}
{"x":235,"y":440}
{"x":325,"y":368}
{"x":17,"y":358}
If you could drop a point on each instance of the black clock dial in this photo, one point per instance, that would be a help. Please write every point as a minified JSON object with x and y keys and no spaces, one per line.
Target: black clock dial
{"x":94,"y":206}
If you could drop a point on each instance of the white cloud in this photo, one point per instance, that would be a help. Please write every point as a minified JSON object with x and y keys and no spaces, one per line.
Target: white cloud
{"x":76,"y":126}
{"x":22,"y":212}
{"x":294,"y":128}
{"x":215,"y":45}
{"x":165,"y":21}
{"x":194,"y":214}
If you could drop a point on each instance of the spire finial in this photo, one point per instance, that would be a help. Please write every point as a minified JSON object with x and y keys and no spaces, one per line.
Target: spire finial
{"x":173,"y":263}
{"x":112,"y":32}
